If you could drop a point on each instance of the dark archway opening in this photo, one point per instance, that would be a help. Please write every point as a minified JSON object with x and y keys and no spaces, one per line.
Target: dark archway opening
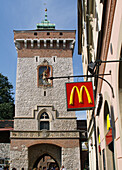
{"x":45,"y":162}
{"x":99,"y":147}
{"x":109,"y":145}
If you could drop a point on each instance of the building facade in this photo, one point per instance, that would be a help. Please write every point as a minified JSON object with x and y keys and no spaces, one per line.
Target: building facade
{"x":42,"y":125}
{"x":5,"y":127}
{"x":100,"y":39}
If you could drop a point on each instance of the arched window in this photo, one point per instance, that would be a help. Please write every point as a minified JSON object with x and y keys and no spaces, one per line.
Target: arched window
{"x":108,"y":137}
{"x":107,"y":124}
{"x":44,"y":121}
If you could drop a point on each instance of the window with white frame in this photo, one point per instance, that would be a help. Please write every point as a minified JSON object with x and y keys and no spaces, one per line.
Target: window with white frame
{"x":44,"y":121}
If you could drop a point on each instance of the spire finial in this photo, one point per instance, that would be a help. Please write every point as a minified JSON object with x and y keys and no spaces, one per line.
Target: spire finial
{"x":45,"y":24}
{"x":45,"y":14}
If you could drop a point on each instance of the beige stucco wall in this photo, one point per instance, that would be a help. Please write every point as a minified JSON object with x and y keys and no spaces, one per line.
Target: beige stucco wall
{"x":116,"y":41}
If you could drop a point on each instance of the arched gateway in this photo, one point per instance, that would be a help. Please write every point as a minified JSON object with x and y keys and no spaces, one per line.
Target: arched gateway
{"x":43,"y":128}
{"x":44,"y":156}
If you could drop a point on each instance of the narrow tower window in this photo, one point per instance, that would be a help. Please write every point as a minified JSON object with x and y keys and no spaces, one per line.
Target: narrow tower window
{"x":44,"y":121}
{"x":36,"y":59}
{"x":111,"y":48}
{"x":35,"y":33}
{"x":61,"y":33}
{"x":54,"y":58}
{"x":44,"y":93}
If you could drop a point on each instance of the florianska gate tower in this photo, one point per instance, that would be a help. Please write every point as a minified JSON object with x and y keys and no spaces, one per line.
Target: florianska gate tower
{"x":44,"y":134}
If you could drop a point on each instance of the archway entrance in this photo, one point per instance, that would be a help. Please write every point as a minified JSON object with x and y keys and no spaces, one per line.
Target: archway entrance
{"x":45,"y":162}
{"x":108,"y":133}
{"x":44,"y":156}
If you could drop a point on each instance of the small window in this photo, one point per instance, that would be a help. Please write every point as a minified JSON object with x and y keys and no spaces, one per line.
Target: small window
{"x":44,"y":125}
{"x":60,"y":44}
{"x":44,"y":116}
{"x":36,"y":59}
{"x":61,"y":33}
{"x":111,"y":48}
{"x":35,"y":33}
{"x":44,"y":93}
{"x":44,"y":121}
{"x":48,"y":33}
{"x":35,"y":44}
{"x":48,"y":44}
{"x":54,"y":59}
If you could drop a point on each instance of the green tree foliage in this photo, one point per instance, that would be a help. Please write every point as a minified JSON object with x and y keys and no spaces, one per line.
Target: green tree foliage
{"x":6,"y":98}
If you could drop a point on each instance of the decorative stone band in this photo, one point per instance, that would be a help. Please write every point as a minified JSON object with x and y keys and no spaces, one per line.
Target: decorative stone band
{"x":44,"y":43}
{"x":45,"y":134}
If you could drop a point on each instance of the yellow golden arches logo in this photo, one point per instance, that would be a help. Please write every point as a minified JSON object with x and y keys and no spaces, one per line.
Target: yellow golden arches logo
{"x":80,"y":94}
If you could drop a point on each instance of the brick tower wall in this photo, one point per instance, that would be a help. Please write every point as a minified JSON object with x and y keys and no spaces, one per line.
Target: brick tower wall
{"x":29,"y":96}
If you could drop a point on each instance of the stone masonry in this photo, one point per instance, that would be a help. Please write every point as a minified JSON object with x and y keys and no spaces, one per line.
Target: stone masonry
{"x":61,"y":140}
{"x":5,"y":150}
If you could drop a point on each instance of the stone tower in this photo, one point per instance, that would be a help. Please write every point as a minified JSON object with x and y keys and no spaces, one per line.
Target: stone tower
{"x":42,"y":125}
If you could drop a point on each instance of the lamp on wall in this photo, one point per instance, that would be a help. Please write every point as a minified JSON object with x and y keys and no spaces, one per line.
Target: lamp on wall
{"x":99,"y":103}
{"x":91,"y":67}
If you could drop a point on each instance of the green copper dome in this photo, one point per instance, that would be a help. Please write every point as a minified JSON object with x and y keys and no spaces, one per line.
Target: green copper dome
{"x":45,"y":24}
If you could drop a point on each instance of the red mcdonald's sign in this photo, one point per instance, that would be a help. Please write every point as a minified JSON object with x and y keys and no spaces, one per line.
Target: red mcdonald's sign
{"x":79,"y":96}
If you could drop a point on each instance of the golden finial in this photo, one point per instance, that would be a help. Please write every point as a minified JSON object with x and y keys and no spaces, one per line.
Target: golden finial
{"x":45,"y":9}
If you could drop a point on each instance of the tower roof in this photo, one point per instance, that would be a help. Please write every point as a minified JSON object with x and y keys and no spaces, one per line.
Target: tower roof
{"x":45,"y":24}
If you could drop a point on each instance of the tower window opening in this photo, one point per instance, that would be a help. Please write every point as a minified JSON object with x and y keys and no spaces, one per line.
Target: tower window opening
{"x":44,"y":93}
{"x":35,"y":44}
{"x":44,"y":121}
{"x":54,"y":59}
{"x":36,"y":59}
{"x":54,"y":43}
{"x":44,"y":115}
{"x":35,"y":33}
{"x":60,"y":44}
{"x":61,"y":33}
{"x":48,"y":33}
{"x":48,"y":44}
{"x":111,"y":48}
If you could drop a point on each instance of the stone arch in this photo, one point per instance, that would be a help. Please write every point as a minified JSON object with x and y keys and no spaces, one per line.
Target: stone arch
{"x":109,"y":148}
{"x":38,"y":150}
{"x":47,"y":111}
{"x":42,"y":157}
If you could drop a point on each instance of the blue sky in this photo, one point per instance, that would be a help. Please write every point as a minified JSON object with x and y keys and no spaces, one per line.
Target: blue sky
{"x":24,"y":15}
